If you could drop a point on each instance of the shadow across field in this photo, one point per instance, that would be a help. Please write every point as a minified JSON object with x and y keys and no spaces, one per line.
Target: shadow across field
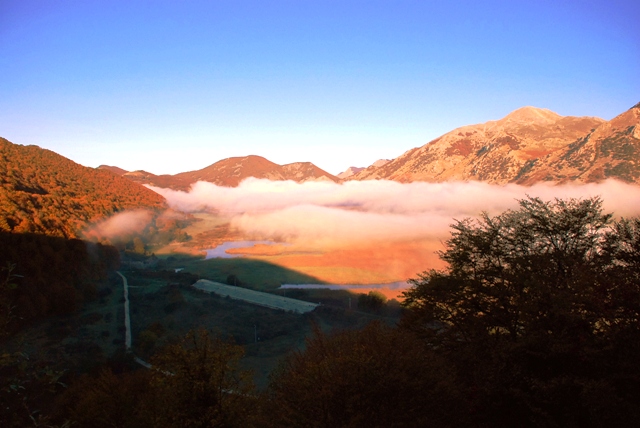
{"x":251,"y":273}
{"x":164,"y":307}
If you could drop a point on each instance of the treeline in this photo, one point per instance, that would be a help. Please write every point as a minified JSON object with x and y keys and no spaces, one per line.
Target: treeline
{"x":43,"y":192}
{"x":535,"y":323}
{"x":44,"y":275}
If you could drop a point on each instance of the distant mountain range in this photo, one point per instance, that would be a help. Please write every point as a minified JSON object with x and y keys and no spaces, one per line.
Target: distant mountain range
{"x":526,"y":146}
{"x":230,"y":172}
{"x":44,"y":192}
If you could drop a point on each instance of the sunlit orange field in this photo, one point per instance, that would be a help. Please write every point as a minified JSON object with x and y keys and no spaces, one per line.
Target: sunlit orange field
{"x":374,"y":264}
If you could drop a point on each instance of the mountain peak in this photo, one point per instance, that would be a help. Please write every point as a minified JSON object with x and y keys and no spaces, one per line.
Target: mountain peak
{"x":495,"y":151}
{"x":532,"y":115}
{"x":352,"y":170}
{"x":380,"y":162}
{"x":116,"y":170}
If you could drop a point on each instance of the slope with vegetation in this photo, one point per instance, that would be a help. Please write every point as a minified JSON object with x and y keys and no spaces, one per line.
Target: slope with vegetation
{"x":44,"y":278}
{"x":43,"y":192}
{"x":46,"y":275}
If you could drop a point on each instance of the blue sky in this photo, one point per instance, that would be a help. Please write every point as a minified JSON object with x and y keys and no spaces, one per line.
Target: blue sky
{"x":172,"y":86}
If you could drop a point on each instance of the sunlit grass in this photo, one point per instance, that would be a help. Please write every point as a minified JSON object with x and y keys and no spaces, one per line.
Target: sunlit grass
{"x":256,"y":274}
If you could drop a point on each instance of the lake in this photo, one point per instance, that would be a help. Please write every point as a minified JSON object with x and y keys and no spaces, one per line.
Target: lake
{"x":221,"y":250}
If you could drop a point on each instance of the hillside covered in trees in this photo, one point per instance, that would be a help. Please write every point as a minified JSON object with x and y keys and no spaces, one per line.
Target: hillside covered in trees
{"x":43,"y":276}
{"x":43,"y":192}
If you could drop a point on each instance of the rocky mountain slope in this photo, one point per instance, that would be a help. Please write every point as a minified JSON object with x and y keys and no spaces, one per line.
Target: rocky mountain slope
{"x":495,"y":151}
{"x":612,"y":150}
{"x":526,"y":146}
{"x":353,"y":170}
{"x":349,"y":172}
{"x":45,"y":193}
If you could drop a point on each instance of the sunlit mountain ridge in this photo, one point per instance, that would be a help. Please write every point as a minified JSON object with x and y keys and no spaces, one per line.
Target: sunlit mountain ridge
{"x":527,"y":146}
{"x":45,"y":192}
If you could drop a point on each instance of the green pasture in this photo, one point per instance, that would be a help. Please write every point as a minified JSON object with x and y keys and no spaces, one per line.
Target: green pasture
{"x":255,"y":274}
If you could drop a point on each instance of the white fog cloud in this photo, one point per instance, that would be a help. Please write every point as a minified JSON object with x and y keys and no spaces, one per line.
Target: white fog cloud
{"x":120,"y":226}
{"x":329,"y":213}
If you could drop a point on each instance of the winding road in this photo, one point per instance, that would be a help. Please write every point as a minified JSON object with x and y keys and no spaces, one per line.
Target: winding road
{"x":127,"y":317}
{"x":127,"y":322}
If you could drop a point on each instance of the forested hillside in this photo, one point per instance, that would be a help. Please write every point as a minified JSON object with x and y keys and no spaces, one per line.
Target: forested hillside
{"x":43,"y":192}
{"x":44,"y":275}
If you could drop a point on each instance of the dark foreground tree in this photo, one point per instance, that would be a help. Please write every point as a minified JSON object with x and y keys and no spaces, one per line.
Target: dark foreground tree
{"x":199,"y":384}
{"x":373,"y":301}
{"x":109,"y":400}
{"x":376,"y":377}
{"x":538,"y":311}
{"x":194,"y":383}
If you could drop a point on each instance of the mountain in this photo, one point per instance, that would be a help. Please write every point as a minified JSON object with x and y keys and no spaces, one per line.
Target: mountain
{"x":231,"y":171}
{"x":349,"y":172}
{"x":164,"y":180}
{"x":368,"y":171}
{"x":43,"y":192}
{"x":114,"y":169}
{"x":379,"y":163}
{"x":612,"y":150}
{"x":494,"y":151}
{"x":306,"y":171}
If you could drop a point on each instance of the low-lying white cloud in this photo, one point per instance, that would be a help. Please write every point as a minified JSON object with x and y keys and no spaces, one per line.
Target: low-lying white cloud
{"x":120,"y":226}
{"x":327,"y":213}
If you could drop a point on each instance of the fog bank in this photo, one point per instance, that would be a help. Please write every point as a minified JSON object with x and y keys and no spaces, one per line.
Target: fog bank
{"x":326,"y":213}
{"x":121,"y":225}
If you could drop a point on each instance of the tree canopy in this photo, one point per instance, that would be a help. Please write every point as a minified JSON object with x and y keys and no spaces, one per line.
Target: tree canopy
{"x":375,"y":377}
{"x":538,"y":309}
{"x":43,"y":192}
{"x":199,"y":383}
{"x":195,"y":382}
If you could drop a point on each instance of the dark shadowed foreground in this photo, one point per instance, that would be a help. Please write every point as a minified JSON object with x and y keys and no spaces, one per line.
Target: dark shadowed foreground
{"x":539,"y":314}
{"x":535,"y":322}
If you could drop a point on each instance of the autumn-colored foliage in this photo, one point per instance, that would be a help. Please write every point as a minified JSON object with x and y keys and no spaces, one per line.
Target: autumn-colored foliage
{"x":43,"y":192}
